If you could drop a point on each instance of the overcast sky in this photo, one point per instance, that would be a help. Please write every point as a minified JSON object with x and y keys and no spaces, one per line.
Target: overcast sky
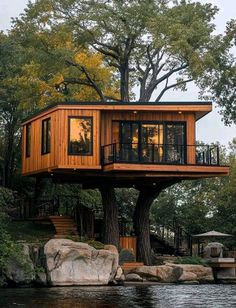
{"x":210,"y":128}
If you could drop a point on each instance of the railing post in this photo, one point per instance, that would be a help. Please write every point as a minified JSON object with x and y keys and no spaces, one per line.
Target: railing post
{"x":102,"y":155}
{"x":210,"y":158}
{"x":218,"y":155}
{"x":114,"y":152}
{"x":153,"y":149}
{"x":208,"y":155}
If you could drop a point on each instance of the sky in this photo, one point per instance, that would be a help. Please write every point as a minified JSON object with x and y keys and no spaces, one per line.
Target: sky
{"x":210,"y":128}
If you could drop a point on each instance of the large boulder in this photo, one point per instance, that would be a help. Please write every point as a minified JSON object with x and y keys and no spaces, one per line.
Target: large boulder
{"x":20,"y":270}
{"x":162,"y":273}
{"x":194,"y":272}
{"x":73,"y":263}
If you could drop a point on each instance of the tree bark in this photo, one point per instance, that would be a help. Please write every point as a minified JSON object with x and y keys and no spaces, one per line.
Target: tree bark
{"x":141,"y":219}
{"x":124,"y":81}
{"x":110,"y":220}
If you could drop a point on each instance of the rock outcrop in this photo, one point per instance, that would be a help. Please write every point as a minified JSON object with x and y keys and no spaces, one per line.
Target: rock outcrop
{"x":171,"y":272}
{"x":162,"y":273}
{"x":192,"y":272}
{"x":72,"y":263}
{"x":20,"y":272}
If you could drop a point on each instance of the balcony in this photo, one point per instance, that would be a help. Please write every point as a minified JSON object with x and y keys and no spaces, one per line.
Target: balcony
{"x":160,"y":154}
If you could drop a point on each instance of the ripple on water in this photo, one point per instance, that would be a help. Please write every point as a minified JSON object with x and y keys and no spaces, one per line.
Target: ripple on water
{"x":163,"y":296}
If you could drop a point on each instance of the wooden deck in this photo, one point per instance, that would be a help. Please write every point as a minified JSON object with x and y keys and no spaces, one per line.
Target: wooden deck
{"x":170,"y":170}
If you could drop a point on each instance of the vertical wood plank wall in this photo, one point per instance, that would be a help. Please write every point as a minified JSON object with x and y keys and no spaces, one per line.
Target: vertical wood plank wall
{"x":58,"y":157}
{"x":37,"y":161}
{"x":82,"y":161}
{"x":108,"y":116}
{"x":102,"y":129}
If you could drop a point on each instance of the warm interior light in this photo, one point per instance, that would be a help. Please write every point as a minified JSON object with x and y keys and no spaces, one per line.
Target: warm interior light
{"x":180,"y":112}
{"x":135,"y":112}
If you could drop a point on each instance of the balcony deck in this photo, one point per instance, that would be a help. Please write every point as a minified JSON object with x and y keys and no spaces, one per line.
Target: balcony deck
{"x":161,"y":170}
{"x":187,"y":161}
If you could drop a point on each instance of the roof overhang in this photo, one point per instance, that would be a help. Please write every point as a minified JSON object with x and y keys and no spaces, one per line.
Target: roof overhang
{"x":199,"y":108}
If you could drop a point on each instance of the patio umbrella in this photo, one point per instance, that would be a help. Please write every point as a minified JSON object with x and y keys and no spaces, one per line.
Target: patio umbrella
{"x":213,"y":234}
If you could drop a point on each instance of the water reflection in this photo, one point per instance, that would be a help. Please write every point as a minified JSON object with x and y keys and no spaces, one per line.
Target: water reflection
{"x":160,"y":296}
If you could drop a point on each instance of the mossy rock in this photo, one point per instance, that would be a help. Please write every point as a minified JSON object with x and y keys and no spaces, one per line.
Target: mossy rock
{"x":95,"y":244}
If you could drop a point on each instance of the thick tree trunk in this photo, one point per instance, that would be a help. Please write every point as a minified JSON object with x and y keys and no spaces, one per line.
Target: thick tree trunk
{"x":124,"y":81}
{"x":141,"y":219}
{"x":110,"y":220}
{"x":141,"y":224}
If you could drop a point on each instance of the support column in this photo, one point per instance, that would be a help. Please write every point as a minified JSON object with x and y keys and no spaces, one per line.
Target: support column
{"x":141,"y":219}
{"x":110,"y":220}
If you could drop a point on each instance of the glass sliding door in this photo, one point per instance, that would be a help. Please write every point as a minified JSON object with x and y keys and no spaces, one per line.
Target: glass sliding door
{"x":175,"y":145}
{"x":152,"y":143}
{"x":129,"y":141}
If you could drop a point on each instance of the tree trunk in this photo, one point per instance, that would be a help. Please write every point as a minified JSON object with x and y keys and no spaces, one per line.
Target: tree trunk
{"x":124,"y":81}
{"x":141,"y":219}
{"x":9,"y":158}
{"x":141,"y":224}
{"x":110,"y":220}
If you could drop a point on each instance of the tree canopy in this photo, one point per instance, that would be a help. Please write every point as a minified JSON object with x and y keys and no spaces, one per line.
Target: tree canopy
{"x":156,"y":45}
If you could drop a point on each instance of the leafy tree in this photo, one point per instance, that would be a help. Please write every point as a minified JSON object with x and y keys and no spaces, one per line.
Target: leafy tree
{"x":202,"y":205}
{"x":157,"y":45}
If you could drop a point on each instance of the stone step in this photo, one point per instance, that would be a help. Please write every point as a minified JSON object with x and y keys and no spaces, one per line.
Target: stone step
{"x":64,"y":225}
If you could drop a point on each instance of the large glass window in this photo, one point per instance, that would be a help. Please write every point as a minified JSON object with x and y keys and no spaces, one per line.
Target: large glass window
{"x":129,"y":146}
{"x":175,"y":143}
{"x":80,"y":135}
{"x":27,"y":141}
{"x":46,"y":136}
{"x":152,"y":142}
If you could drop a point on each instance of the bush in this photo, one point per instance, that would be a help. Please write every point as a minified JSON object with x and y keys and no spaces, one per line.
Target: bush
{"x":192,"y":260}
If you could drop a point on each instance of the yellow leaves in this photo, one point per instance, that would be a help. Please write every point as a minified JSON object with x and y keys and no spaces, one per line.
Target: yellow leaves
{"x":93,"y":62}
{"x":86,"y":94}
{"x":57,"y":79}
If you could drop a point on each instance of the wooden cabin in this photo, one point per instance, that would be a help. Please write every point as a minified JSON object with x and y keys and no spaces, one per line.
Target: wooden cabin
{"x":126,"y":143}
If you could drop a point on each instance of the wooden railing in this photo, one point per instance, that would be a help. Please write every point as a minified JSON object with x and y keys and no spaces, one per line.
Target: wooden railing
{"x":149,"y":153}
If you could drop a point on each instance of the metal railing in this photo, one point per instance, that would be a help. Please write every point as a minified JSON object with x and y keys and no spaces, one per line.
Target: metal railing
{"x":149,"y":153}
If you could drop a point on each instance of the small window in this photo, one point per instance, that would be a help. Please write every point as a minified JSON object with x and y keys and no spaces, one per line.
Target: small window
{"x":46,"y":136}
{"x":80,"y":135}
{"x":28,"y":137}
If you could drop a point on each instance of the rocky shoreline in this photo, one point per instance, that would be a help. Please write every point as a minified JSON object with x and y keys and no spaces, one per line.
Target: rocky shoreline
{"x":63,"y":262}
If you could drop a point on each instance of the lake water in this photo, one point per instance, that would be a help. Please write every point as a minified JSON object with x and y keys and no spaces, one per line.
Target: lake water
{"x":163,"y":296}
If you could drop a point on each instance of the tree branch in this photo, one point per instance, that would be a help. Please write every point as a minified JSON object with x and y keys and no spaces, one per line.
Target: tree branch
{"x":171,"y":86}
{"x":91,"y":81}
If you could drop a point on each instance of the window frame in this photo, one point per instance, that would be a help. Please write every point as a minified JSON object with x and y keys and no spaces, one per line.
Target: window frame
{"x":165,"y":124}
{"x":28,"y":129}
{"x":92,"y":137}
{"x":48,"y":140}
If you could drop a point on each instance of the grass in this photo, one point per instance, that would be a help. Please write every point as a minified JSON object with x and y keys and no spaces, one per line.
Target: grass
{"x":30,"y":231}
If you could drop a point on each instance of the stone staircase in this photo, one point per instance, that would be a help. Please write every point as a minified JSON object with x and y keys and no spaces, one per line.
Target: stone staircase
{"x":64,"y":225}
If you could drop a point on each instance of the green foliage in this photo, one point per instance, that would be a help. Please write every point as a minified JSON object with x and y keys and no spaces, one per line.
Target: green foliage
{"x":192,"y":260}
{"x":95,"y":244}
{"x":6,"y":198}
{"x":202,"y":205}
{"x":126,"y":255}
{"x":9,"y":249}
{"x":145,"y":42}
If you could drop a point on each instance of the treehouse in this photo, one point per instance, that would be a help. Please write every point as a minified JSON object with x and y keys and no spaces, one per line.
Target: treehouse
{"x":123,"y":143}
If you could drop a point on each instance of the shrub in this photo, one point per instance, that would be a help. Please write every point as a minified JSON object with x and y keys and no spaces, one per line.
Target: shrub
{"x":192,"y":260}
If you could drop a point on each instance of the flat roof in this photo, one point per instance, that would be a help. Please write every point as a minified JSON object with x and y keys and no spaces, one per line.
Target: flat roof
{"x":118,"y":104}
